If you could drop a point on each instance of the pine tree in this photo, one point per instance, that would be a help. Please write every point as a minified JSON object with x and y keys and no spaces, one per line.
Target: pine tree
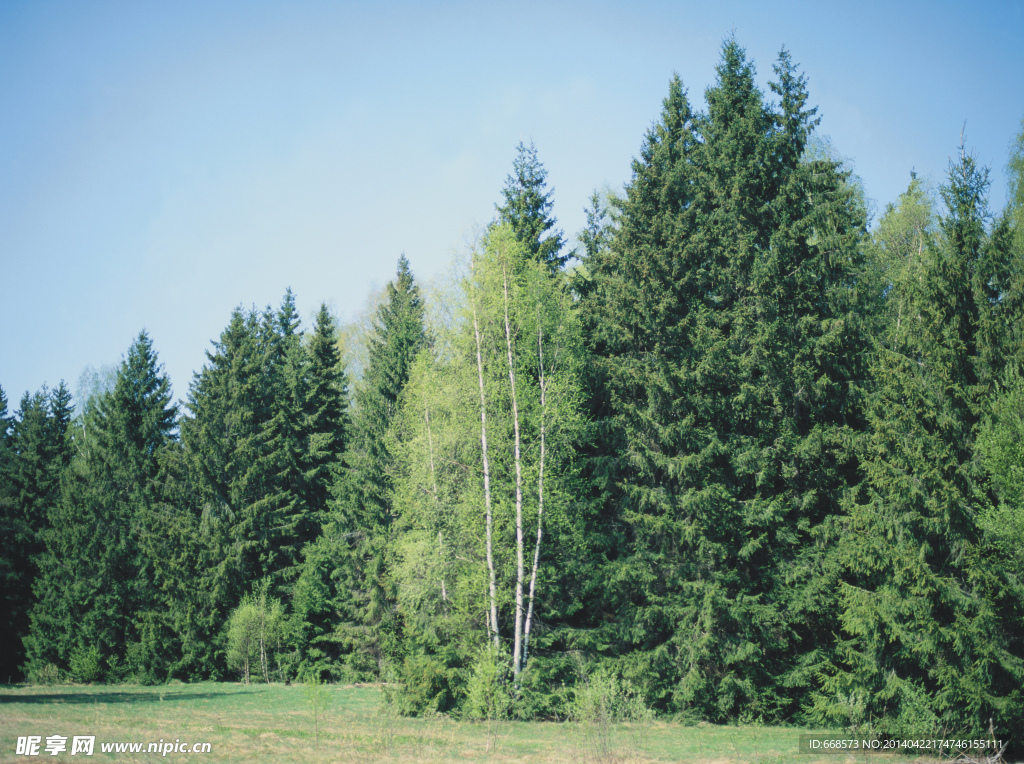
{"x":527,"y":209}
{"x":93,"y":580}
{"x":725,"y":322}
{"x":925,"y":643}
{"x":343,"y":607}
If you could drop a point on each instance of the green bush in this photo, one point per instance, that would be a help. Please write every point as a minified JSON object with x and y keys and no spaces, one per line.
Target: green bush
{"x":43,"y":673}
{"x":487,"y":692}
{"x":610,"y":716}
{"x":427,"y":686}
{"x":86,"y":665}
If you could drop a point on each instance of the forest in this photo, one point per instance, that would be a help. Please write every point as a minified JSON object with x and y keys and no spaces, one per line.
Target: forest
{"x":741,"y":455}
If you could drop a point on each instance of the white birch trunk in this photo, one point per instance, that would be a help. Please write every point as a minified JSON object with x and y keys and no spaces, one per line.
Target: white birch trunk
{"x":517,"y":648}
{"x":493,"y":620}
{"x":540,"y":496}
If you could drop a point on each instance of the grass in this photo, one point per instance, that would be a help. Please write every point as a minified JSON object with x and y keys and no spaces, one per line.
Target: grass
{"x":276,"y":722}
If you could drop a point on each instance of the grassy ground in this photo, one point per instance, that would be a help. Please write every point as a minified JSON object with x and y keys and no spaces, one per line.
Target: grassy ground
{"x":275,"y":722}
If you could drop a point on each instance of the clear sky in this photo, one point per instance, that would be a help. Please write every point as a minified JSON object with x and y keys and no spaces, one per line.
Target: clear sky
{"x":162,"y":163}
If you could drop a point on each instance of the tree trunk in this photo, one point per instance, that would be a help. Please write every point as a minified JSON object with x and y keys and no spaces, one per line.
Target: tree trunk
{"x":540,"y":495}
{"x":487,"y":481}
{"x":517,"y":649}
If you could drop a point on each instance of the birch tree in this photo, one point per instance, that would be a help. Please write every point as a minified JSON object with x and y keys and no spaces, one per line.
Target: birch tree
{"x":482,"y":443}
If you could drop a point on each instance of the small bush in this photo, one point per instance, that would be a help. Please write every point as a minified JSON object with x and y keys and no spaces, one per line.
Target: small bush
{"x":46,"y":673}
{"x":611,"y":717}
{"x":487,"y":693}
{"x":426,"y":686}
{"x":86,"y":665}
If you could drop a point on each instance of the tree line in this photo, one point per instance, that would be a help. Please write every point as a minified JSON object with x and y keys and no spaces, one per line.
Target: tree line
{"x":736,"y":453}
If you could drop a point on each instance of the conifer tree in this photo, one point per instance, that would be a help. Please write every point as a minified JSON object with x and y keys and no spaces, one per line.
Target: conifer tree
{"x":926,"y":644}
{"x":343,"y":607}
{"x":326,"y":422}
{"x":93,"y":579}
{"x":34,"y":452}
{"x":724,"y":318}
{"x":527,"y":209}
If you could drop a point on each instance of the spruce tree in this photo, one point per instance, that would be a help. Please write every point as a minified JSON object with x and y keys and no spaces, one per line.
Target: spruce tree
{"x":527,"y":209}
{"x":33,"y":455}
{"x":343,"y":606}
{"x":926,"y":643}
{"x":240,"y":439}
{"x":724,"y":318}
{"x":94,"y":582}
{"x":326,"y":422}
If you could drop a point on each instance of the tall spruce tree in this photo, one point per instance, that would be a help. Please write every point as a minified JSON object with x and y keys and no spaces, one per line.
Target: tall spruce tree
{"x":326,"y":423}
{"x":343,"y":609}
{"x":527,"y":209}
{"x":724,"y":318}
{"x":926,"y":642}
{"x":93,"y":579}
{"x":34,"y":453}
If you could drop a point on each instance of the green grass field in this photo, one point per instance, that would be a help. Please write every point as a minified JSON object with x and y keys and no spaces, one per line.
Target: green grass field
{"x":275,"y":722}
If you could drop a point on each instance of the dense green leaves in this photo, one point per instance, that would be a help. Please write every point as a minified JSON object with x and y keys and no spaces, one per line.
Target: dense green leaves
{"x":724,"y":317}
{"x":927,"y":640}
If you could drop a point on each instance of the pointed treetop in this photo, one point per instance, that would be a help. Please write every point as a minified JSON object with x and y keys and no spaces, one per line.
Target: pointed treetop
{"x":966,"y":198}
{"x":288,"y":315}
{"x":795,"y":122}
{"x":141,"y":398}
{"x":527,"y":208}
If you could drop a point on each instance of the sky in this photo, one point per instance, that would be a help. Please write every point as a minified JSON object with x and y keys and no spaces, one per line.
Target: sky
{"x":164,"y":163}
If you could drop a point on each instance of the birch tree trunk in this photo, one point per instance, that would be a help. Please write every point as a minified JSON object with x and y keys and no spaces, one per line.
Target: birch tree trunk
{"x":517,"y":649}
{"x":540,"y":493}
{"x":493,"y":621}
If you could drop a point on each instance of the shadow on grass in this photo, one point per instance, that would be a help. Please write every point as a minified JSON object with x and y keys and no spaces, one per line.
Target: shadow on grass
{"x":154,"y":695}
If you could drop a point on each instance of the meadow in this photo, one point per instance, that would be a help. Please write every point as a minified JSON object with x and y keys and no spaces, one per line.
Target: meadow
{"x":355,"y":724}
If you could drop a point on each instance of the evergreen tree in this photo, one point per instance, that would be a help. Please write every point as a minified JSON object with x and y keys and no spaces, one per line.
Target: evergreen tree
{"x":94,"y":582}
{"x":724,"y":318}
{"x":326,"y":423}
{"x":267,"y":423}
{"x":343,"y":609}
{"x":926,"y":644}
{"x":527,"y":209}
{"x":34,"y":451}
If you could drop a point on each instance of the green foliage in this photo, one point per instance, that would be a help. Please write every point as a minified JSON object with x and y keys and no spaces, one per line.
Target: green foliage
{"x":94,"y":582}
{"x":527,"y":209}
{"x":429,"y":686}
{"x":726,"y":320}
{"x":1001,"y":448}
{"x":465,"y":520}
{"x":35,"y":449}
{"x":343,"y":607}
{"x":255,"y":631}
{"x":925,"y":644}
{"x":488,"y":691}
{"x":86,"y":664}
{"x":605,"y":710}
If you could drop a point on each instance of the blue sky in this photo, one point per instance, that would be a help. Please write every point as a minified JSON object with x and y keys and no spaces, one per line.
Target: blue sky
{"x":162,"y":163}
